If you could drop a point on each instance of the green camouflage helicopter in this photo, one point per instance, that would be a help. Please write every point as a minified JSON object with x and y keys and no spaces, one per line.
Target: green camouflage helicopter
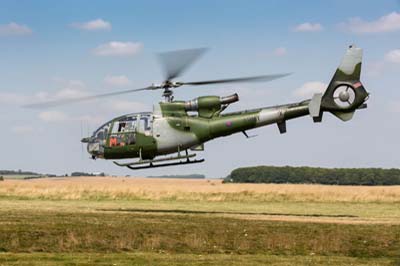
{"x":180,"y":126}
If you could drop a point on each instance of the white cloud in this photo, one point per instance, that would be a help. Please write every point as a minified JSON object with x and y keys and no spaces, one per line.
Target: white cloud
{"x":22,"y":129}
{"x":72,"y":89}
{"x":393,"y":56}
{"x":376,"y":68}
{"x":14,"y":29}
{"x":118,"y":49}
{"x":387,"y":23}
{"x":280,"y":51}
{"x":308,"y":89}
{"x":67,"y":93}
{"x":10,"y":98}
{"x":53,"y":116}
{"x":118,"y":81}
{"x":93,"y":25}
{"x":308,"y":27}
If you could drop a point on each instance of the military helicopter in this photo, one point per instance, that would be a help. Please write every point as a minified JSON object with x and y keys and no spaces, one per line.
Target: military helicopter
{"x":175,"y":127}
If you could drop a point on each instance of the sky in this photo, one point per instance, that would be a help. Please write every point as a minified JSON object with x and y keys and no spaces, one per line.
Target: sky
{"x":64,"y":49}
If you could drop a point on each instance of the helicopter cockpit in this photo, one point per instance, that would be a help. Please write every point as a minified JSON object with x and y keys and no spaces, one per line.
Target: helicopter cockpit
{"x":119,"y":132}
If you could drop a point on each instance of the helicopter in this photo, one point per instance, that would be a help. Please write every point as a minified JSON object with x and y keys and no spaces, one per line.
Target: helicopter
{"x":182,"y":127}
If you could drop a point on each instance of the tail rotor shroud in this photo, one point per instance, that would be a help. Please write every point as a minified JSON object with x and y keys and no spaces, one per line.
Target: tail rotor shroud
{"x":345,"y":93}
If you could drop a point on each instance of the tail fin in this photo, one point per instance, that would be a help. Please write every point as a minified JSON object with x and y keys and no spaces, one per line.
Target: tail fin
{"x":345,"y":92}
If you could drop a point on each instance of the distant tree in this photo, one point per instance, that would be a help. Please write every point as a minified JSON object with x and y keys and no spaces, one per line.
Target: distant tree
{"x":85,"y":174}
{"x":313,"y":175}
{"x":18,"y":172}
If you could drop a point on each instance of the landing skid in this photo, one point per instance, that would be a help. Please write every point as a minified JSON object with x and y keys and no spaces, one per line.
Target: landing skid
{"x":144,"y":164}
{"x":164,"y":164}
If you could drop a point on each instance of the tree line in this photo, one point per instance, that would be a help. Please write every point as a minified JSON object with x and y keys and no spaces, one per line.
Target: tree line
{"x":19,"y":172}
{"x":315,"y":175}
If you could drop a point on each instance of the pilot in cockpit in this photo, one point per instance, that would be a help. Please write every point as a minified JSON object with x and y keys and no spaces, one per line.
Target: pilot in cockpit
{"x":121,"y":127}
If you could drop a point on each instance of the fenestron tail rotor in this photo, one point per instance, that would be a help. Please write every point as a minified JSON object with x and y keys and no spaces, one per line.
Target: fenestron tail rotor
{"x":344,"y":96}
{"x":175,"y":63}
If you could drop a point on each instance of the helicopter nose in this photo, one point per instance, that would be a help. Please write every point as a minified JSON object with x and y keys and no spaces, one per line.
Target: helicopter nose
{"x":94,"y":148}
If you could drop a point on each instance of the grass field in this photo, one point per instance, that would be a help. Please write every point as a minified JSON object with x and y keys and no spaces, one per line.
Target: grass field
{"x":121,"y":221}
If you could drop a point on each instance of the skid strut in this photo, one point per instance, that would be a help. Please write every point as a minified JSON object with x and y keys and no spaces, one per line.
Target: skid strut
{"x":143,"y":164}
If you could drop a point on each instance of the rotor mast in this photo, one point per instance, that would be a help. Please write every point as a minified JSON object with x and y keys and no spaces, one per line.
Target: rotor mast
{"x":168,"y":93}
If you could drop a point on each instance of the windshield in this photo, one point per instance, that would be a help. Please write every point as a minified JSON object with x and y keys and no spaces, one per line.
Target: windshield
{"x":129,"y":119}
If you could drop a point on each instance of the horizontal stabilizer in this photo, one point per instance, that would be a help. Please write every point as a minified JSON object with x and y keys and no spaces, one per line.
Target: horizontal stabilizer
{"x":315,"y":105}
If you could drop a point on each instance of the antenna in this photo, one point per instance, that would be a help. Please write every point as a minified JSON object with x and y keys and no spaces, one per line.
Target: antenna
{"x":81,"y":122}
{"x":87,"y":127}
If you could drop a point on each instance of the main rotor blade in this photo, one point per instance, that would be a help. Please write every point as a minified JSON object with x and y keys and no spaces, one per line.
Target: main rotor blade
{"x":237,"y":80}
{"x":81,"y":99}
{"x":176,"y":62}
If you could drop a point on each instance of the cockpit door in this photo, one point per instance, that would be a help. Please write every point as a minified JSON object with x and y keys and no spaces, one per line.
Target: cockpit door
{"x":123,"y":132}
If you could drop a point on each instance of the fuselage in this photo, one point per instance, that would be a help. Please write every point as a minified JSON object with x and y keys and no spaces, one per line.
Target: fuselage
{"x":175,"y":126}
{"x":170,"y":129}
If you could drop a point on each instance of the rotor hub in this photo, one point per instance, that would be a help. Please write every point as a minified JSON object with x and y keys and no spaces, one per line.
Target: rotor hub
{"x":344,"y":96}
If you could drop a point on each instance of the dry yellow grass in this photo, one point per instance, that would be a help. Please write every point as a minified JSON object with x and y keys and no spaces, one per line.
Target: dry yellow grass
{"x":94,"y":214}
{"x":186,"y":189}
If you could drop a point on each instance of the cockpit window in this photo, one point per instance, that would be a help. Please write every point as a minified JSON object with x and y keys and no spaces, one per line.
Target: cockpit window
{"x":122,"y":130}
{"x":124,"y":126}
{"x":101,"y":133}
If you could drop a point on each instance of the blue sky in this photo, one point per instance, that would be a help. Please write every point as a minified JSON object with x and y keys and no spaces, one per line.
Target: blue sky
{"x":58,"y":49}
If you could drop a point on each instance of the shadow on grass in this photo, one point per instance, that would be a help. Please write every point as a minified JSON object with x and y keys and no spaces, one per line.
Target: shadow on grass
{"x":225,"y":212}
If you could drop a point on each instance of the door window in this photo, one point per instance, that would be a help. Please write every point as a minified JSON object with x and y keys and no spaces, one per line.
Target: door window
{"x":123,"y":132}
